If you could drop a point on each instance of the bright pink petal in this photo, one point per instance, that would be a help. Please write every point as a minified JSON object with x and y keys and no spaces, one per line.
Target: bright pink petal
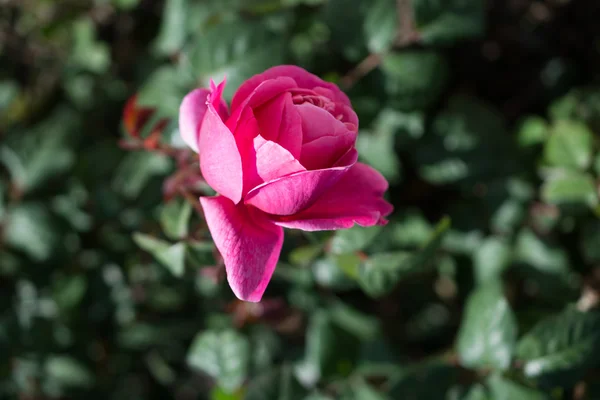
{"x":325,"y":138}
{"x":317,"y":122}
{"x":303,"y":78}
{"x":356,"y":198}
{"x":191,"y":114}
{"x":280,"y":122}
{"x":249,"y":243}
{"x":273,"y":161}
{"x":296,"y":192}
{"x":261,"y":93}
{"x":220,"y":160}
{"x":247,"y":130}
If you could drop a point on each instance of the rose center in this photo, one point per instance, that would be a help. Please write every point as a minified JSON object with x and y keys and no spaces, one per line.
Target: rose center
{"x":314,"y":99}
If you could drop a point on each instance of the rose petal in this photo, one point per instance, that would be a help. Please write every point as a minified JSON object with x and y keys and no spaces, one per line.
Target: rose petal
{"x":249,"y":243}
{"x":296,"y":192}
{"x":325,"y":138}
{"x":356,"y":198}
{"x":191,"y":114}
{"x":303,"y":78}
{"x":261,"y":93}
{"x":273,"y":161}
{"x":220,"y":160}
{"x":280,"y":122}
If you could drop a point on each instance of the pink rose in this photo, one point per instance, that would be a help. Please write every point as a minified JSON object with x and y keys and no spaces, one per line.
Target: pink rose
{"x":283,"y":157}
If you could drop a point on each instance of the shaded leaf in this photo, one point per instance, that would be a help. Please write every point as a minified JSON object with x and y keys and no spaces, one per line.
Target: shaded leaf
{"x":170,"y":256}
{"x":30,"y":228}
{"x":414,"y":79}
{"x":570,"y":188}
{"x":559,"y":349}
{"x":504,"y":389}
{"x":569,"y":145}
{"x":174,"y":218}
{"x":444,"y":22}
{"x":488,"y":330}
{"x":222,"y":355}
{"x":68,"y":372}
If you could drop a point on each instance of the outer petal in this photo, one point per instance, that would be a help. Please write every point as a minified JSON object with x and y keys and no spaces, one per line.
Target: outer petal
{"x":220,"y":160}
{"x":296,"y":192}
{"x":303,"y":78}
{"x":191,"y":114}
{"x":249,"y":243}
{"x":356,"y":198}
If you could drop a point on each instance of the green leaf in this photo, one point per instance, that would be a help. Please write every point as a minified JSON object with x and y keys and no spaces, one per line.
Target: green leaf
{"x":69,"y":291}
{"x":329,"y":273}
{"x":569,"y":145}
{"x":9,"y":90}
{"x":380,"y":273}
{"x":566,"y":187}
{"x":68,"y":372}
{"x":265,"y":346}
{"x":504,"y":389}
{"x":173,"y":29}
{"x":589,"y":239}
{"x":345,"y":33}
{"x":558,"y":350}
{"x":275,"y":384}
{"x":30,"y":228}
{"x":381,"y":25}
{"x":533,"y":251}
{"x":163,"y":91}
{"x":488,"y":330}
{"x":445,"y":22}
{"x":491,"y":259}
{"x":363,"y":326}
{"x":353,"y":239}
{"x":476,"y":392}
{"x":363,"y":391}
{"x":136,"y":170}
{"x":88,"y":53}
{"x":125,"y":4}
{"x":2,"y":200}
{"x":223,"y":356}
{"x":377,"y":148}
{"x":236,"y":50}
{"x":170,"y":256}
{"x":414,"y":79}
{"x":411,"y":230}
{"x":430,"y":379}
{"x":174,"y":218}
{"x":44,"y":152}
{"x":303,"y":256}
{"x":457,"y":147}
{"x":533,"y":131}
{"x":329,"y":350}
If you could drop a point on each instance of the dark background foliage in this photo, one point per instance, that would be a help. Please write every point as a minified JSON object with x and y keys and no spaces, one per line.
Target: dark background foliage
{"x":484,"y":117}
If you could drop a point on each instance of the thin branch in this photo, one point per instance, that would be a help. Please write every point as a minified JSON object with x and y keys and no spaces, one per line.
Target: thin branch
{"x":367,"y":65}
{"x":190,"y":198}
{"x":406,"y":35}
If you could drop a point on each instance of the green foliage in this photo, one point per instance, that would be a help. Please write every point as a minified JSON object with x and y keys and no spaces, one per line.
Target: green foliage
{"x":560,"y":348}
{"x":488,"y":330}
{"x":223,"y":356}
{"x":473,"y":111}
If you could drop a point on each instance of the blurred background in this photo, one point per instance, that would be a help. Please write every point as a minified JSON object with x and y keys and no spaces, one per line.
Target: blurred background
{"x":483,"y":115}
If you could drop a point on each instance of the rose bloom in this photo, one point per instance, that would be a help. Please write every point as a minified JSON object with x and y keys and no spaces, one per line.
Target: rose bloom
{"x":283,"y":157}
